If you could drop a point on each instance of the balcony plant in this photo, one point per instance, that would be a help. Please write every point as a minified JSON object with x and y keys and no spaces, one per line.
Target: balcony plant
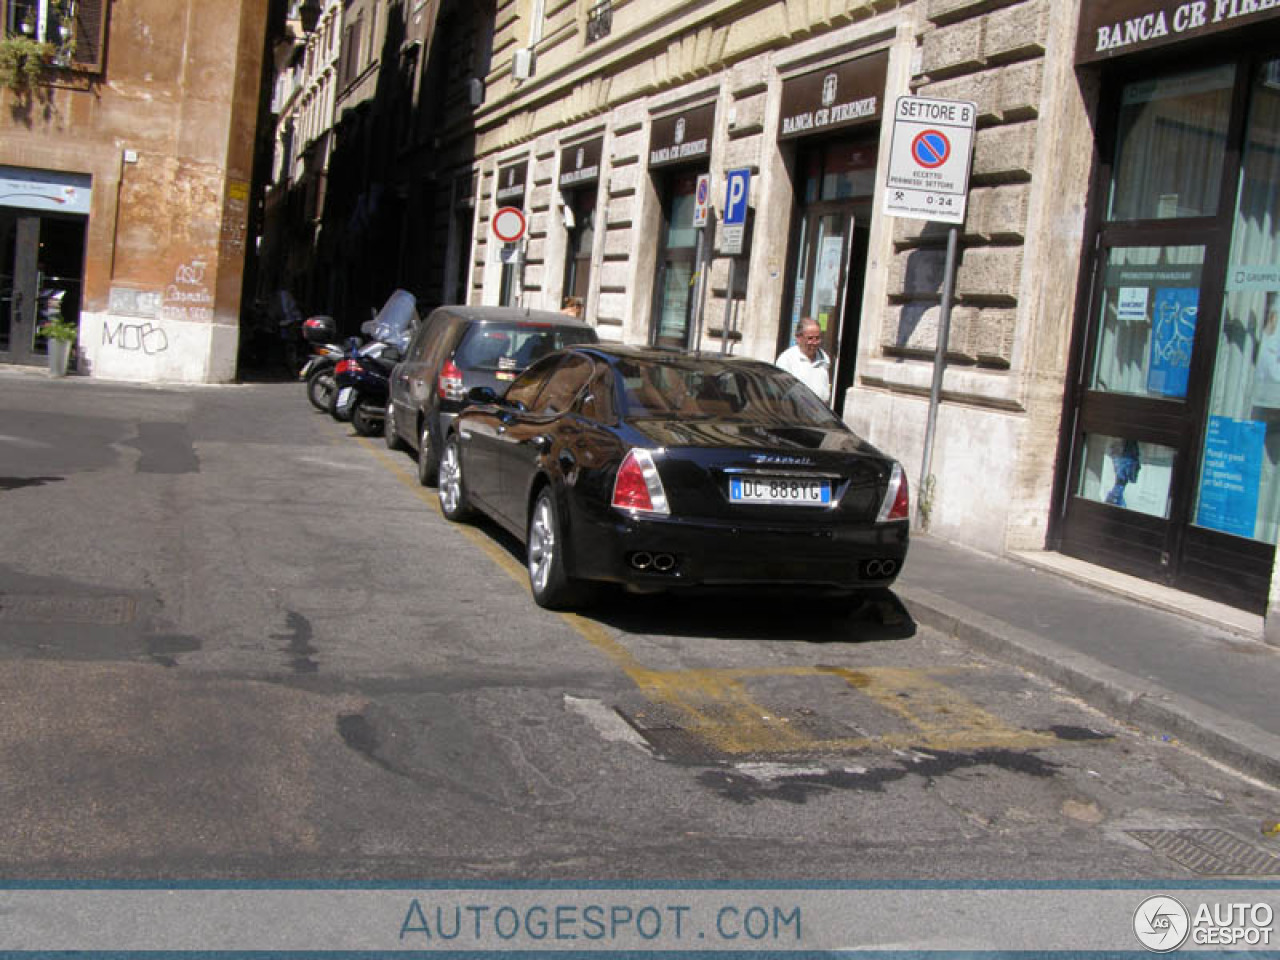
{"x":22,"y":61}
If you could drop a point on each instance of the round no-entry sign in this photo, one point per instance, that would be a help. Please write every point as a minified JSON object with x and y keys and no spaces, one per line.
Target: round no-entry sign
{"x":509,"y":224}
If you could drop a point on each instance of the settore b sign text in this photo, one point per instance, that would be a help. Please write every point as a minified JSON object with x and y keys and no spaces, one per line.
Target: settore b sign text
{"x":929,"y":158}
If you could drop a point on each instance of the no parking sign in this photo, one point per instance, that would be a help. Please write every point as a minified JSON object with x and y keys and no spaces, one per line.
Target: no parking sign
{"x":701,"y":200}
{"x":929,"y":159}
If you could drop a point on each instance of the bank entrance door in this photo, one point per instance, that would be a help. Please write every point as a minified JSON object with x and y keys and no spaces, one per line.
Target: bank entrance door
{"x":829,"y":252}
{"x":41,"y":254}
{"x":1174,"y":467}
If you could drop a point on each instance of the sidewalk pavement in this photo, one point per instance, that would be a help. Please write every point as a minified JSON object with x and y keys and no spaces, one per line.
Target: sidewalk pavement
{"x":1202,"y":675}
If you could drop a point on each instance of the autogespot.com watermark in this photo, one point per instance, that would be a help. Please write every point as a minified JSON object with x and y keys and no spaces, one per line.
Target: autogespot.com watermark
{"x":1163,"y":924}
{"x":479,"y":925}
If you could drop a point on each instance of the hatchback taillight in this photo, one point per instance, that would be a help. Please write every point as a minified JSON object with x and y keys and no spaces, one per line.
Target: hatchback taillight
{"x":637,"y":486}
{"x":449,"y":385}
{"x":897,"y":502}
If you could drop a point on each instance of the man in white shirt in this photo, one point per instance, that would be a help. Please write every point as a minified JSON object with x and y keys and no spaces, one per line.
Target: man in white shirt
{"x":807,"y":361}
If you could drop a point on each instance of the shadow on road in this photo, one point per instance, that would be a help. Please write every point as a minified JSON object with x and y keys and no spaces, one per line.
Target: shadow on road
{"x":749,"y":613}
{"x":17,"y":483}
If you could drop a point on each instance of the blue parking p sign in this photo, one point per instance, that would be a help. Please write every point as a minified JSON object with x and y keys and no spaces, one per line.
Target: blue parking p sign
{"x":736,"y":191}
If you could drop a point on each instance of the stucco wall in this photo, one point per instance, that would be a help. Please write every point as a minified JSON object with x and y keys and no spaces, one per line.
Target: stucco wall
{"x":167,"y":133}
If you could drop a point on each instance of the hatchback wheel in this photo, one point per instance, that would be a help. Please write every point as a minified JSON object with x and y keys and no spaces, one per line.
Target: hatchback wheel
{"x":551,"y":587}
{"x":390,"y":433}
{"x":428,"y":459}
{"x":452,"y":492}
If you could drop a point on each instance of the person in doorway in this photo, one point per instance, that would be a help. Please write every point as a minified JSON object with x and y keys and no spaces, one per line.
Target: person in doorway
{"x":807,"y":361}
{"x":572,"y":307}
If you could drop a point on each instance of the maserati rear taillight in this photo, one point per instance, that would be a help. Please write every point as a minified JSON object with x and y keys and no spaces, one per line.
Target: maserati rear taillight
{"x":449,"y":385}
{"x":897,"y":502}
{"x":638,"y":487}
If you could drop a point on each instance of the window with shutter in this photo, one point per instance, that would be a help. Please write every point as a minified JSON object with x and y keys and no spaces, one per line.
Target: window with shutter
{"x":76,"y":29}
{"x":91,"y":34}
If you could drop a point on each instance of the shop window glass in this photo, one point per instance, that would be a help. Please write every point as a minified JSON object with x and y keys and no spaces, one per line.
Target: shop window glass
{"x":676,"y":268}
{"x":1150,"y":304}
{"x":680,"y":229}
{"x":802,"y":273}
{"x":1171,"y":144}
{"x":1239,"y":484}
{"x":849,"y":171}
{"x":582,"y":237}
{"x":673,"y":321}
{"x":1126,"y":473}
{"x":812,"y":174}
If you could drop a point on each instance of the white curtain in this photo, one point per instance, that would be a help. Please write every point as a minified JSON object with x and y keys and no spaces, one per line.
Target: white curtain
{"x":1172,"y":141}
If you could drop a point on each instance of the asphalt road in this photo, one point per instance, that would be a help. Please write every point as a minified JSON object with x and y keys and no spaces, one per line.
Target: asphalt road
{"x":238,"y":642}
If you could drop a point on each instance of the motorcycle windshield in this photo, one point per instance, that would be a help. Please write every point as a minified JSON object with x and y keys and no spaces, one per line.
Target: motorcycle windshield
{"x":396,"y":320}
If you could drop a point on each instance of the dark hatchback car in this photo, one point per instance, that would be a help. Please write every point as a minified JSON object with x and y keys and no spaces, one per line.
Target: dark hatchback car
{"x":457,"y":349}
{"x":660,"y":470}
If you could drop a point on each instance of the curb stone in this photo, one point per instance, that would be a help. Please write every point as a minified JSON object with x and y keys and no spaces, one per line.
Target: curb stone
{"x":1138,"y":702}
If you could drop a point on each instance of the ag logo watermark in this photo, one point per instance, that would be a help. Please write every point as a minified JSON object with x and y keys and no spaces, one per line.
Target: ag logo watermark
{"x":1161,"y":923}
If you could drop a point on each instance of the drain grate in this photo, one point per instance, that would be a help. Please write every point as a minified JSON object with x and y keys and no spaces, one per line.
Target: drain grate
{"x":1211,"y":853}
{"x":55,"y":609}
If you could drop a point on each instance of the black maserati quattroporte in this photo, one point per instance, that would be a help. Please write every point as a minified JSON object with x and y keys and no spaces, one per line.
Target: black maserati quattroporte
{"x":660,"y":470}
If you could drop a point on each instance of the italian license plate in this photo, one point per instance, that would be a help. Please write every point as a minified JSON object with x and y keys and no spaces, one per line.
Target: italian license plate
{"x":345,"y":398}
{"x":782,"y":490}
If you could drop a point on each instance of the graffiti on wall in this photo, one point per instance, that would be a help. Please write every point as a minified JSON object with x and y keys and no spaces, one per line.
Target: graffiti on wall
{"x":135,"y":337}
{"x":187,"y":298}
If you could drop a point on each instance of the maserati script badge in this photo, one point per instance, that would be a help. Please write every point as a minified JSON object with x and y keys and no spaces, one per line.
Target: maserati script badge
{"x":782,"y":460}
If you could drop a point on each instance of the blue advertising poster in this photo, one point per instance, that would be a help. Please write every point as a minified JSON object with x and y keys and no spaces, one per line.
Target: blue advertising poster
{"x":1173,"y":327}
{"x":1230,"y":476}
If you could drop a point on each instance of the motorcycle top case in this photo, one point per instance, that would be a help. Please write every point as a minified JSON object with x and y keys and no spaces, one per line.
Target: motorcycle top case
{"x":320,"y":329}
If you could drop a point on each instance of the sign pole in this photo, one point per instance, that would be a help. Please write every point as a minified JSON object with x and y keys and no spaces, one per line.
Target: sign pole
{"x":698,"y":287}
{"x":925,"y":490}
{"x":929,"y":160}
{"x":728,"y":309}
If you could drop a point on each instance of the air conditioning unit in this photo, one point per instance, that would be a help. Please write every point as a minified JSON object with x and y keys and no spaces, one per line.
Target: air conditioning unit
{"x":522,"y":63}
{"x":475,"y":91}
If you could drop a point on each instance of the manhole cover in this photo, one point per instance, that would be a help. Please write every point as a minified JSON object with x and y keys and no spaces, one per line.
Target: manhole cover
{"x":1212,"y":853}
{"x":55,"y":609}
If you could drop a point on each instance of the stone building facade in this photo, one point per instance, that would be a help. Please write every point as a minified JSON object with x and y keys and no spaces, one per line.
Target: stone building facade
{"x":600,"y":117}
{"x":303,"y":97}
{"x":126,"y":170}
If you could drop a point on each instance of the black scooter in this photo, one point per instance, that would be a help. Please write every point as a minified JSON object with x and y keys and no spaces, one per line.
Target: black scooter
{"x":363,"y":382}
{"x":363,"y":376}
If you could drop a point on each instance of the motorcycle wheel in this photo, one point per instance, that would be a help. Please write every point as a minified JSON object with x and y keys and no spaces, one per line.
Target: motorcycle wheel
{"x":366,"y":424}
{"x":321,"y":389}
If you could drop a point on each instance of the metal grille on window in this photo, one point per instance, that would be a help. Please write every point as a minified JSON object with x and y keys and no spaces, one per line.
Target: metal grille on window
{"x":599,"y":21}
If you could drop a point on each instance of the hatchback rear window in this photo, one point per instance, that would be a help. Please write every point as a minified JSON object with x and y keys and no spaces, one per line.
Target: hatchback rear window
{"x":510,"y":347}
